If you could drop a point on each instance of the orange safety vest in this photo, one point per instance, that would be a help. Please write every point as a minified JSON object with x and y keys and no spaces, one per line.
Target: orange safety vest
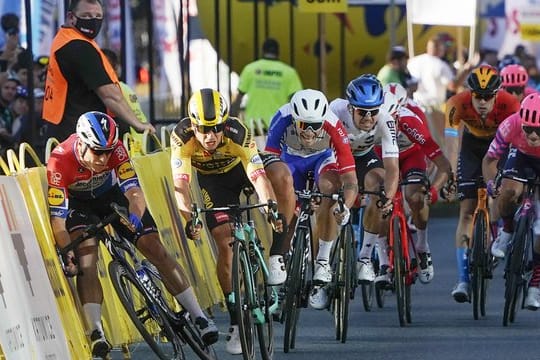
{"x":56,"y":86}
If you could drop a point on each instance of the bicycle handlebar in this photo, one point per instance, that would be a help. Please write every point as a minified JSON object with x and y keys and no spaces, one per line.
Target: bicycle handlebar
{"x":119,"y":213}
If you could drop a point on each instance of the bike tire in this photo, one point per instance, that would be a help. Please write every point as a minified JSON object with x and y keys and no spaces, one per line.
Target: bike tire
{"x":347,"y":271}
{"x":399,"y":270}
{"x":243,"y":284}
{"x":368,"y":293}
{"x":514,"y":269}
{"x":296,"y":272}
{"x":265,"y":331}
{"x":380,"y":295}
{"x":149,"y":319}
{"x":477,"y":263}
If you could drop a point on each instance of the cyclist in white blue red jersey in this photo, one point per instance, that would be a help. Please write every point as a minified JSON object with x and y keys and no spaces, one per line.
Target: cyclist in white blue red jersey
{"x":368,"y":124}
{"x":86,"y":173}
{"x":307,"y":136}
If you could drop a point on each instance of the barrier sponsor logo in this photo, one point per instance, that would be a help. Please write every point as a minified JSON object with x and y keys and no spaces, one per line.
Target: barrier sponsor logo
{"x":56,"y":196}
{"x":125,"y":171}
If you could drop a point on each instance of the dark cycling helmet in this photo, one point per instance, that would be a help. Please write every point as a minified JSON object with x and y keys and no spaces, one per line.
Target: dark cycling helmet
{"x":484,"y":80}
{"x":207,"y":107}
{"x":530,"y":110}
{"x":97,"y":130}
{"x":365,"y":91}
{"x":508,"y":60}
{"x":514,"y":75}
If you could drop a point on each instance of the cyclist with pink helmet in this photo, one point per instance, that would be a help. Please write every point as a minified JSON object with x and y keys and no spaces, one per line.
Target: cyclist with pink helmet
{"x":521,"y":133}
{"x":514,"y":81}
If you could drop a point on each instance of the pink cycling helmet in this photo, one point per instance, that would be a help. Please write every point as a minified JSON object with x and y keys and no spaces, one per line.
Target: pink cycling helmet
{"x":530,"y":110}
{"x":514,"y":75}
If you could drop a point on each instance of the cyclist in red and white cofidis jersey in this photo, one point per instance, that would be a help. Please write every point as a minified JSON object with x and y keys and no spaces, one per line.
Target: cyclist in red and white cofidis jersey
{"x":415,"y":145}
{"x":520,"y":132}
{"x":86,"y":173}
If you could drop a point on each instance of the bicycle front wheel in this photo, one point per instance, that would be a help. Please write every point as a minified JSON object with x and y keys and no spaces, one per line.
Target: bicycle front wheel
{"x":514,"y":270}
{"x":243,"y":285}
{"x":294,"y":287}
{"x":263,"y":299}
{"x":399,"y":270}
{"x":344,"y":284}
{"x":477,"y":264}
{"x":147,"y":316}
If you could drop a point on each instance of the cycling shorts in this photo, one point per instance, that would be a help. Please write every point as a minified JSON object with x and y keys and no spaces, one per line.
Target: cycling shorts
{"x":301,"y":166}
{"x":222,"y":190}
{"x":367,"y":162}
{"x":521,"y":165}
{"x":85,"y":212}
{"x":469,"y":166}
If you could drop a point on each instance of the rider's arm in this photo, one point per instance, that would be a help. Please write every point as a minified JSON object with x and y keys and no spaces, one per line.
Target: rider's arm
{"x":451,"y":133}
{"x":137,"y":203}
{"x":444,"y":170}
{"x":61,"y":235}
{"x":350,"y":187}
{"x":391,"y":177}
{"x":390,"y":155}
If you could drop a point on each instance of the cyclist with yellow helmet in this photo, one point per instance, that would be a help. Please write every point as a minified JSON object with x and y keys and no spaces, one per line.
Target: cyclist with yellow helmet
{"x":225,"y":159}
{"x":480,"y":110}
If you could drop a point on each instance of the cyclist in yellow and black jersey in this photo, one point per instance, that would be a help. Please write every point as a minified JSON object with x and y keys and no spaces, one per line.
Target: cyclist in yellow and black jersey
{"x":225,"y":158}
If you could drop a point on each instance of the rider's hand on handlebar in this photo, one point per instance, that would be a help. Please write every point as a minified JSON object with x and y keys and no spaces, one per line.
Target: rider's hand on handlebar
{"x":433,"y":195}
{"x":386,"y":207}
{"x":274,"y":218}
{"x":342,"y":217}
{"x":136,"y":222}
{"x":69,"y":265}
{"x":193,"y":232}
{"x":492,"y":188}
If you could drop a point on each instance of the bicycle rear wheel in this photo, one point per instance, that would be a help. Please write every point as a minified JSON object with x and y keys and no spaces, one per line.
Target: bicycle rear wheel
{"x":296,"y":281}
{"x":514,"y":270}
{"x":478,"y":263}
{"x":149,"y":319}
{"x":243,"y":285}
{"x":399,"y":270}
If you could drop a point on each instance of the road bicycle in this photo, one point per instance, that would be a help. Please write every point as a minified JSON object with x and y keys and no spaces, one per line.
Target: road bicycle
{"x":343,"y":286}
{"x":518,"y":268}
{"x":254,"y":300}
{"x":140,"y":289}
{"x":481,"y":261}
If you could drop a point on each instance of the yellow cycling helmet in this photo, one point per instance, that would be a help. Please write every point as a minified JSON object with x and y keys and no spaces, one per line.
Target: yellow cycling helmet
{"x":484,"y":80}
{"x":207,"y":107}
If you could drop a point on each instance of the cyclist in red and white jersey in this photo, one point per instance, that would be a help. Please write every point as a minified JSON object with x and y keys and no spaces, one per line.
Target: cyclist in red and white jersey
{"x":415,"y":145}
{"x":86,"y":173}
{"x":521,"y":133}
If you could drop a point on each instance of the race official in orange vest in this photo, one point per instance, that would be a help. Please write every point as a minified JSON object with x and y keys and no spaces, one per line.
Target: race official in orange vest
{"x":79,"y":76}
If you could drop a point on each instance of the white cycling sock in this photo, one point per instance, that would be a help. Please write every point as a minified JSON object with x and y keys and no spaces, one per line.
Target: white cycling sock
{"x":367,"y":245}
{"x":189,"y":302}
{"x":421,"y":241}
{"x":92,"y":313}
{"x":324,"y":250}
{"x":382,"y":250}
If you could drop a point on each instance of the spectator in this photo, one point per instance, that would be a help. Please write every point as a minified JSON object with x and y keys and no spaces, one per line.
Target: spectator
{"x":135,"y":146}
{"x":23,"y":123}
{"x":11,"y":49}
{"x":40,"y":71}
{"x":8,"y":91}
{"x":268,"y":83}
{"x":435,"y":77}
{"x":489,"y":57}
{"x":80,"y":76}
{"x":395,"y":69}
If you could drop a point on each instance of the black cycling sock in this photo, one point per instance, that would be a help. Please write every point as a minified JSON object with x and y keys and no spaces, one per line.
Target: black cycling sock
{"x":279,"y":238}
{"x":233,"y":318}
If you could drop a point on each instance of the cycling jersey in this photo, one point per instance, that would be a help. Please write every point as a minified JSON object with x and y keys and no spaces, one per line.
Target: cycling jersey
{"x":510,"y":133}
{"x":362,"y":142}
{"x":283,"y":137}
{"x":460,"y":109}
{"x":68,"y":178}
{"x":237,"y":146}
{"x":414,"y":135}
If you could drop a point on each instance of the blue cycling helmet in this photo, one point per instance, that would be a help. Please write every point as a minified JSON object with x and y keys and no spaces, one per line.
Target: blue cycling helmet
{"x":365,"y":91}
{"x":508,"y":60}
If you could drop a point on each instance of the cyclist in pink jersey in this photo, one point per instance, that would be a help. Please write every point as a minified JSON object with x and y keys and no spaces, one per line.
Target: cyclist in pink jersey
{"x":514,"y":81}
{"x":521,"y":131}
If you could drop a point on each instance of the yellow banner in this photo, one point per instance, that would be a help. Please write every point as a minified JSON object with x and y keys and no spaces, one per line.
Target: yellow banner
{"x":322,"y":6}
{"x":530,"y":32}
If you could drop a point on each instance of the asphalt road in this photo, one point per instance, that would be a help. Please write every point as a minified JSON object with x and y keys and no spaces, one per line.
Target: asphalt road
{"x":441,"y":329}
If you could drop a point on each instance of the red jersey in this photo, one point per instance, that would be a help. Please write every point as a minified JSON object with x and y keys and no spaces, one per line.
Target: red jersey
{"x":414,"y":135}
{"x":68,"y":178}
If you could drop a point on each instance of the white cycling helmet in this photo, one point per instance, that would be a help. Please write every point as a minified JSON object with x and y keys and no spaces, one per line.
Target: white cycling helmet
{"x":390,"y":103}
{"x":398,"y":90}
{"x":310,"y":106}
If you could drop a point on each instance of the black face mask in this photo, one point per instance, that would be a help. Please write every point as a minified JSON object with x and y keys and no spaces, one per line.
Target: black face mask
{"x":89,"y":27}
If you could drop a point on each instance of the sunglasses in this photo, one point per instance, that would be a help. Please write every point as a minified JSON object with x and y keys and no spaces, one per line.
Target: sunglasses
{"x":302,"y":125}
{"x":518,"y":90}
{"x":206,"y":129}
{"x":485,"y":97}
{"x":531,"y":129}
{"x":100,"y":152}
{"x":366,"y":112}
